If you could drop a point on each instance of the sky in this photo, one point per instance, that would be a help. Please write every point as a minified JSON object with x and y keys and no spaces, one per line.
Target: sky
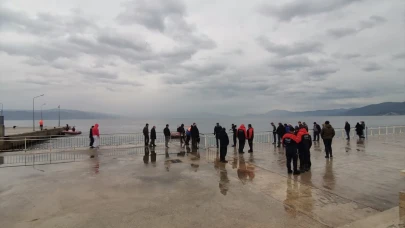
{"x":164,"y":57}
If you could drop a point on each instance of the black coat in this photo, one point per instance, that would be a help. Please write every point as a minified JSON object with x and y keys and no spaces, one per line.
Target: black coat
{"x":223,"y":139}
{"x":241,"y":135}
{"x":195,"y":133}
{"x":347,"y":127}
{"x":91,"y":133}
{"x":359,"y":129}
{"x":145,"y":131}
{"x":153,"y":133}
{"x":280,"y":130}
{"x":166,"y":131}
{"x":217,"y":131}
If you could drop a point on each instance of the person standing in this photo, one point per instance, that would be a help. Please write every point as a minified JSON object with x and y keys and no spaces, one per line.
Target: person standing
{"x":224,"y":142}
{"x":242,"y":135}
{"x":316,"y":131}
{"x":305,"y":126}
{"x":303,"y":149}
{"x":291,"y":142}
{"x":359,"y":130}
{"x":195,"y":135}
{"x":235,"y":132}
{"x":363,"y":124}
{"x":250,"y":135}
{"x":327,"y":134}
{"x":146,"y":134}
{"x":167,"y":134}
{"x":280,"y":133}
{"x":182,"y":134}
{"x":91,"y":137}
{"x":41,"y":125}
{"x":274,"y":133}
{"x":153,"y":136}
{"x":217,"y":133}
{"x":96,"y":136}
{"x":188,"y":135}
{"x":347,"y":129}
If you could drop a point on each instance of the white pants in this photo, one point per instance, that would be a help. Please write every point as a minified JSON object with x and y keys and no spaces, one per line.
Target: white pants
{"x":96,"y":141}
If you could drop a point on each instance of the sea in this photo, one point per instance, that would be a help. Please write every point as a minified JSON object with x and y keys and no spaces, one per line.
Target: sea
{"x":206,"y":125}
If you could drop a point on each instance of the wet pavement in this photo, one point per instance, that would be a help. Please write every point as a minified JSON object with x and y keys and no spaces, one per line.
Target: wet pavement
{"x":179,"y":187}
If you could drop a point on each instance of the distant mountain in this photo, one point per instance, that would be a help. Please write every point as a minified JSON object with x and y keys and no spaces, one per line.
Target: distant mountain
{"x":387,"y":108}
{"x":53,"y":114}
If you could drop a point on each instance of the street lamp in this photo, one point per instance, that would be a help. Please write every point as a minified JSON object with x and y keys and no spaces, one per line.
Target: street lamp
{"x":59,"y":116}
{"x":33,"y":110}
{"x":41,"y":109}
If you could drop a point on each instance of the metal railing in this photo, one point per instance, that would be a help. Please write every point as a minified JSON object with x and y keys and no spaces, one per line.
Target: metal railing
{"x":57,"y":143}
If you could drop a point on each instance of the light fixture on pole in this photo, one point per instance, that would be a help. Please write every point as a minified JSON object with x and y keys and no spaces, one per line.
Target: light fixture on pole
{"x":41,"y":109}
{"x":33,"y":111}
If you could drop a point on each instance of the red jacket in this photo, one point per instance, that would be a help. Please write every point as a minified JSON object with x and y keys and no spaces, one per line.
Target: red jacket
{"x":292,"y":136}
{"x":95,"y":131}
{"x":243,"y":128}
{"x":302,"y":132}
{"x":250,"y":133}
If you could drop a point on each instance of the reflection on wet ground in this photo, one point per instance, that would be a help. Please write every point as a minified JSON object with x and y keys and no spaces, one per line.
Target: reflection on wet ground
{"x":252,"y":190}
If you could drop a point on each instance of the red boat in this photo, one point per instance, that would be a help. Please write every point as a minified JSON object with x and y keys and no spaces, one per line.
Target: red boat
{"x":71,"y":132}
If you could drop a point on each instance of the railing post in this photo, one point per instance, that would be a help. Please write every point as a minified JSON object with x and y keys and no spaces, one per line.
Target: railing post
{"x":379,"y":130}
{"x":366,"y":132}
{"x":205,"y":143}
{"x":25,"y":144}
{"x":386,"y":130}
{"x":393,"y":130}
{"x":50,"y":143}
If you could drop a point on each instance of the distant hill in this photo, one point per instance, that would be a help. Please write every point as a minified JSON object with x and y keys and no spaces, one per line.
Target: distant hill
{"x":387,"y":108}
{"x":53,"y":114}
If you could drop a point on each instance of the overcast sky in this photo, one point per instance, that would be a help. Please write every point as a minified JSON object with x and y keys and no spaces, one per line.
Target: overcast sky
{"x":143,"y":57}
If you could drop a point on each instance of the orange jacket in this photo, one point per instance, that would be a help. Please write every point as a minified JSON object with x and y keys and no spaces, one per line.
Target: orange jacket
{"x":95,"y":130}
{"x":41,"y":122}
{"x":292,"y":136}
{"x":250,"y":133}
{"x":302,"y":132}
{"x":243,"y":128}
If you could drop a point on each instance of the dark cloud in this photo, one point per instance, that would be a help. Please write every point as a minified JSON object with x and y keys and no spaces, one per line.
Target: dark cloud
{"x":151,"y":14}
{"x":37,"y":81}
{"x":346,"y":55}
{"x":298,"y":8}
{"x":97,"y":74}
{"x":321,"y":72}
{"x":292,"y":49}
{"x":292,"y":63}
{"x":372,"y":67}
{"x":400,"y":55}
{"x":121,"y":43}
{"x":366,"y":24}
{"x":332,"y":93}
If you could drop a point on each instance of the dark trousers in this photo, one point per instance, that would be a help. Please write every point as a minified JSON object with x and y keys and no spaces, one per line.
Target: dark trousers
{"x":348,"y":134}
{"x":241,"y":145}
{"x":217,"y":139}
{"x":222,"y":152}
{"x":152,"y":142}
{"x":234,"y":139}
{"x":91,"y":141}
{"x":146,"y":140}
{"x":250,"y":142}
{"x":187,"y":140}
{"x":328,"y":147}
{"x":291,"y":155}
{"x":274,"y":137}
{"x":41,"y":126}
{"x":304,"y":159}
{"x":316,"y":135}
{"x":194,"y":142}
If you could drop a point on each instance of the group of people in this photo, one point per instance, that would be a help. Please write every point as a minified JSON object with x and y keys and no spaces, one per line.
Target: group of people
{"x":94,"y":136}
{"x":191,"y":133}
{"x":360,"y":129}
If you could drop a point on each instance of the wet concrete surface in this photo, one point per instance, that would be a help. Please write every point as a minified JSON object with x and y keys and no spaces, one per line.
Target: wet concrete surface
{"x":183,"y":188}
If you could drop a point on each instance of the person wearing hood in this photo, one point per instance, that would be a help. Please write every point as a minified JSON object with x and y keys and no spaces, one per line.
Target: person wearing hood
{"x":217,"y":133}
{"x":224,"y":142}
{"x":359,"y":130}
{"x":287,"y":128}
{"x":235,"y":132}
{"x":317,"y":131}
{"x":91,"y":137}
{"x":153,"y":136}
{"x":274,"y":133}
{"x":250,"y":135}
{"x":347,"y":129}
{"x":167,"y":134}
{"x":242,"y":135}
{"x":291,"y":141}
{"x":195,"y":134}
{"x":327,"y":134}
{"x":146,"y":134}
{"x":305,"y":126}
{"x":304,"y":149}
{"x":96,"y":136}
{"x":280,"y":133}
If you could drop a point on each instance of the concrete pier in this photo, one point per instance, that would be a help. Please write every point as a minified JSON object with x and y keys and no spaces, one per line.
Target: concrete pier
{"x":182,"y":188}
{"x":15,"y":138}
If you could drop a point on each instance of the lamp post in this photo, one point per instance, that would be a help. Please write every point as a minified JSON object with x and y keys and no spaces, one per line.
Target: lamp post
{"x":41,"y":109}
{"x":59,"y":116}
{"x":33,"y":111}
